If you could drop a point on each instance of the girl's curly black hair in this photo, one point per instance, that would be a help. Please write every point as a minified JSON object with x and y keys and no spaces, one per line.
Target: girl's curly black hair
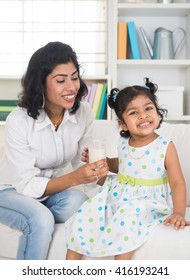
{"x":119,"y":99}
{"x":41,"y":64}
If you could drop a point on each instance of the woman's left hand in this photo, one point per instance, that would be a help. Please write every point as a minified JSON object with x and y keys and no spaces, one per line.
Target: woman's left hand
{"x":177,"y":221}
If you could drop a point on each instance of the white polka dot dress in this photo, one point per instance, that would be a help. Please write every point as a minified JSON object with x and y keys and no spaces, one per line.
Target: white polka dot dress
{"x":121,"y":216}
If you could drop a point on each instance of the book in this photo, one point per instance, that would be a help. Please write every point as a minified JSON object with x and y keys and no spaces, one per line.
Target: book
{"x":6,"y":106}
{"x":122,"y":40}
{"x":104,"y":89}
{"x":133,"y":40}
{"x":97,"y":99}
{"x":86,"y":98}
{"x":103,"y":110}
{"x":92,"y":94}
{"x":3,"y":115}
{"x":8,"y":102}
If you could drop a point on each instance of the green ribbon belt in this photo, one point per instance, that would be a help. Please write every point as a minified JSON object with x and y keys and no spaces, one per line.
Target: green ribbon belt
{"x":142,"y":182}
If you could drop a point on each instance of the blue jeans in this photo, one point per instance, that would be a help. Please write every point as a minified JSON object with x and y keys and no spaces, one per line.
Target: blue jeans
{"x":36,"y":219}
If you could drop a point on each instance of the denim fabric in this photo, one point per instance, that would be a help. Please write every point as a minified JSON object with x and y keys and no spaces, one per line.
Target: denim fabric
{"x":36,"y":219}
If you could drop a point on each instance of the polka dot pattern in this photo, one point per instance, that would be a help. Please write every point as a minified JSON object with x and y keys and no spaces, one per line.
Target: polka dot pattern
{"x":120,"y":217}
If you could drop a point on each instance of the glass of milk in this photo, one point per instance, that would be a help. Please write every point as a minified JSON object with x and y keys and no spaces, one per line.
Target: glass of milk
{"x":96,"y":150}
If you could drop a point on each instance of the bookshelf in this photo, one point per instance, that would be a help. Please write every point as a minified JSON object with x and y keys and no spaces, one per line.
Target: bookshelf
{"x":171,"y":72}
{"x":101,"y":79}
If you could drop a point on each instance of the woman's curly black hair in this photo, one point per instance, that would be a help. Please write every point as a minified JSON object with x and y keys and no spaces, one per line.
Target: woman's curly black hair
{"x":41,"y":64}
{"x":119,"y":99}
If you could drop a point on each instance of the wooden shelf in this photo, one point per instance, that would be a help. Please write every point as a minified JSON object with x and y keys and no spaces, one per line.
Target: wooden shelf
{"x":11,"y":77}
{"x":154,"y":9}
{"x":178,"y":63}
{"x":176,"y":119}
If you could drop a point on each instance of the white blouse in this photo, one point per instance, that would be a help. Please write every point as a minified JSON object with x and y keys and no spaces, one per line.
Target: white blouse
{"x":35,"y":152}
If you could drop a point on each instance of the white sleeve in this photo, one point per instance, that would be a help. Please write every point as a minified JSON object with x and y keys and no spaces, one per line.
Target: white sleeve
{"x":21,"y":162}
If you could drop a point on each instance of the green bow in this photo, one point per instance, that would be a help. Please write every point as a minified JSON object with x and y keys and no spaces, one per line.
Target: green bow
{"x":125,"y":179}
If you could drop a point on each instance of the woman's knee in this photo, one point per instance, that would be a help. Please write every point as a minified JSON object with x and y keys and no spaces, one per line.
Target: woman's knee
{"x":24,"y":213}
{"x":41,"y":220}
{"x":36,"y":236}
{"x":76,"y":198}
{"x":69,"y":202}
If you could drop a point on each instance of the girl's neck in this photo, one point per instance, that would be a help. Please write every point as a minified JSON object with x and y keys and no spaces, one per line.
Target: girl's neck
{"x":136,"y":141}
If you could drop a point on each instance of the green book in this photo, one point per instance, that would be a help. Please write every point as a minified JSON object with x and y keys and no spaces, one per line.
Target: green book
{"x":103,"y":110}
{"x":8,"y":102}
{"x":6,"y":108}
{"x":3,"y":115}
{"x":104,"y":90}
{"x":7,"y":105}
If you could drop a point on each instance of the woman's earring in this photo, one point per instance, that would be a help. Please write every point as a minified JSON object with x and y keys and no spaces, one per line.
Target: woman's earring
{"x":43,"y":101}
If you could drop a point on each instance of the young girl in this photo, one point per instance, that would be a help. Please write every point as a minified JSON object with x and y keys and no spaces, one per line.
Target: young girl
{"x":149,"y":188}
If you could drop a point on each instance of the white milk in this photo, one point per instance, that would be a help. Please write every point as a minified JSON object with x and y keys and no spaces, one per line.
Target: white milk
{"x":96,"y":150}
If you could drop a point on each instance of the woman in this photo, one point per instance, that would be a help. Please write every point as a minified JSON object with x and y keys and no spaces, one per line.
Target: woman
{"x":49,"y":128}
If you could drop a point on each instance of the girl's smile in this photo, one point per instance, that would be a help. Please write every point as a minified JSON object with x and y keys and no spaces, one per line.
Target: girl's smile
{"x":144,"y":124}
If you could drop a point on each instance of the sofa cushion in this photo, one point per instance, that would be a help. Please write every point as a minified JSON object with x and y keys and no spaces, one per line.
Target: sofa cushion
{"x":2,"y":135}
{"x":165,"y":237}
{"x":180,"y":134}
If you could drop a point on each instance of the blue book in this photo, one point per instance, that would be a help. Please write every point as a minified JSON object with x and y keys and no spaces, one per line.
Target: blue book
{"x":133,"y":40}
{"x":103,"y":106}
{"x":104,"y":90}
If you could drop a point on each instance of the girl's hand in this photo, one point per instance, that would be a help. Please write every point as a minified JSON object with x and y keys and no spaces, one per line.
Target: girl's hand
{"x":177,"y":221}
{"x":90,"y":172}
{"x":85,"y":157}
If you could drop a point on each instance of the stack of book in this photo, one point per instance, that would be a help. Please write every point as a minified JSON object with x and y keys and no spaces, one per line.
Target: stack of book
{"x":6,"y":106}
{"x":127,"y":33}
{"x":97,"y":97}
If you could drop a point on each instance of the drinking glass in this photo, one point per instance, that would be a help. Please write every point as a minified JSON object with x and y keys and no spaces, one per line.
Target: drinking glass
{"x":96,"y":150}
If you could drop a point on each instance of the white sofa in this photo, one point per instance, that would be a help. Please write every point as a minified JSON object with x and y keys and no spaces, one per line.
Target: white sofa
{"x":165,"y":243}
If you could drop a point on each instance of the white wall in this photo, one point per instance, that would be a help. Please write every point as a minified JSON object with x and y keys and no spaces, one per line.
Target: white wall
{"x":9,"y":88}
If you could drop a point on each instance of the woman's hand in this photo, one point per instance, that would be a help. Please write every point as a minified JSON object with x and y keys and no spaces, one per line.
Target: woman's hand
{"x":91,"y":172}
{"x":85,"y":174}
{"x":177,"y":221}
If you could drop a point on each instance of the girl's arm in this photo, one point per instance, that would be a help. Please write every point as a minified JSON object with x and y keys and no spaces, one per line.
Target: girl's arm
{"x":178,"y":188}
{"x":113,"y":164}
{"x":113,"y":167}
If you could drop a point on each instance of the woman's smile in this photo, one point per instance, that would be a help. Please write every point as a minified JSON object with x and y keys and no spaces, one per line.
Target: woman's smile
{"x":69,"y":97}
